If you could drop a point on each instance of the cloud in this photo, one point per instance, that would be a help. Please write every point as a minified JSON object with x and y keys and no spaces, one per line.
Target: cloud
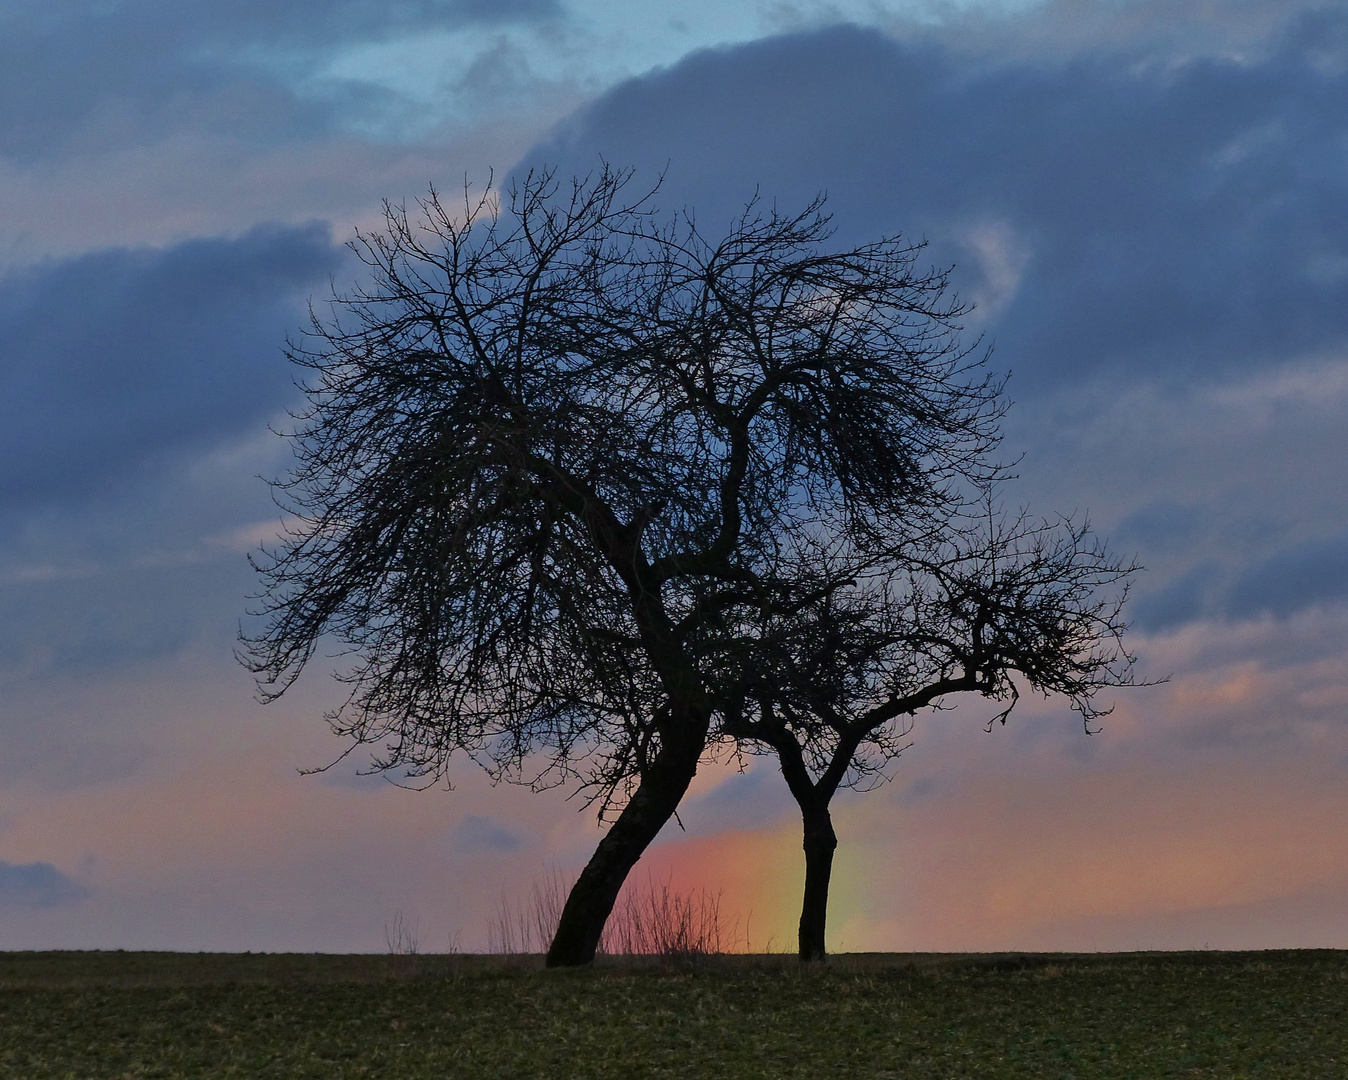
{"x":117,"y":580}
{"x":1179,"y":601}
{"x":1151,"y":213}
{"x":37,"y":885}
{"x":733,"y":800}
{"x":142,"y":121}
{"x":1159,"y":32}
{"x":112,"y":71}
{"x":115,"y":357}
{"x":1150,"y":219}
{"x":118,"y":616}
{"x":477,"y":833}
{"x":1295,"y":578}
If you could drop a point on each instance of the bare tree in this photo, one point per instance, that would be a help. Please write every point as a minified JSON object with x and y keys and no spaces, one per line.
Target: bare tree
{"x":967,"y":605}
{"x":558,"y":460}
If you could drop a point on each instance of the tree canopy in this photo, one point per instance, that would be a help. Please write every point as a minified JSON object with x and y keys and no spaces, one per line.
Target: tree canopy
{"x":570,"y":472}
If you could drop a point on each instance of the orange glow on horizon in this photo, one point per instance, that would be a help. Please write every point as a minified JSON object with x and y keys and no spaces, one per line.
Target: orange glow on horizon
{"x":757,"y":874}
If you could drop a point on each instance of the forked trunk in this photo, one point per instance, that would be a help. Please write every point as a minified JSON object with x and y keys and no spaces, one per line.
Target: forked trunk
{"x":820,"y":842}
{"x":596,"y":890}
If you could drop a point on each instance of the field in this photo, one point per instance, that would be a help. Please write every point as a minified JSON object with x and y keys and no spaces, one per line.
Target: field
{"x":157,"y":1015}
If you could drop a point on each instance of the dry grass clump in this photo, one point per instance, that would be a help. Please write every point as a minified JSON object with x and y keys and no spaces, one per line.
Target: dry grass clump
{"x":657,"y":920}
{"x":649,"y":919}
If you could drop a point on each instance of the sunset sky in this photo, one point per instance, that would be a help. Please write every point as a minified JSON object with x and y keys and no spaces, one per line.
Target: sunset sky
{"x":1146,"y":201}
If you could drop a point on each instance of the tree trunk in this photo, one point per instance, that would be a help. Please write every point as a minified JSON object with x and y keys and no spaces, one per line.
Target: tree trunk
{"x":596,"y":890}
{"x":820,"y":842}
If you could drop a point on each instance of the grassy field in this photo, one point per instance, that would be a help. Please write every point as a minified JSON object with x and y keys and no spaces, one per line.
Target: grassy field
{"x":153,"y":1015}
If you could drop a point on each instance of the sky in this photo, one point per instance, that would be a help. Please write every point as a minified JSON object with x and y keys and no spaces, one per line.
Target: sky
{"x":1147,"y":202}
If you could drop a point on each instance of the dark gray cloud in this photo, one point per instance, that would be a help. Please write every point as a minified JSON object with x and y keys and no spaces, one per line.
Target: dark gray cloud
{"x":37,"y":885}
{"x":1121,"y":216}
{"x":117,"y":616}
{"x":1301,"y":576}
{"x":1160,"y":524}
{"x":1295,"y":578}
{"x":120,"y":356}
{"x":755,"y":799}
{"x":478,"y":833}
{"x":123,"y":72}
{"x":1125,"y":212}
{"x":1158,"y":31}
{"x":1179,"y":601}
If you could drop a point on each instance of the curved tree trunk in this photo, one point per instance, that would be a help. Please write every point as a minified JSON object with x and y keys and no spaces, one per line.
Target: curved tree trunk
{"x":820,"y":842}
{"x":596,"y":890}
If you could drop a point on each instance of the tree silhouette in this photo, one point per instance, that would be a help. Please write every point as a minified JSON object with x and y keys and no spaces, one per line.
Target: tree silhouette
{"x":968,"y":604}
{"x":561,"y":462}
